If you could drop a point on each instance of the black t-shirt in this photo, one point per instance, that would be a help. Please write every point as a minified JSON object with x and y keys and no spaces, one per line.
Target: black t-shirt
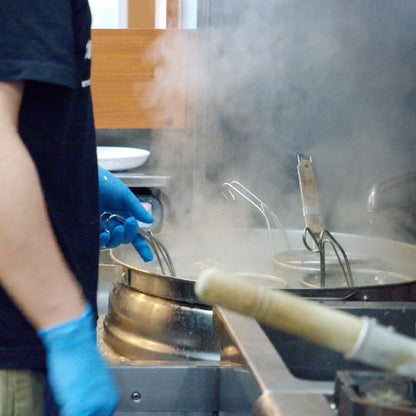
{"x":47,"y":44}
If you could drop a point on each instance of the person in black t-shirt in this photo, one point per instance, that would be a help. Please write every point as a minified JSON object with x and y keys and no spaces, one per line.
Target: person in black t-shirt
{"x":50,"y":202}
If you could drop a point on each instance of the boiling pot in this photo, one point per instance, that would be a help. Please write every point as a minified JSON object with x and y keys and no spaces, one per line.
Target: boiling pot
{"x":158,"y":316}
{"x":142,"y":327}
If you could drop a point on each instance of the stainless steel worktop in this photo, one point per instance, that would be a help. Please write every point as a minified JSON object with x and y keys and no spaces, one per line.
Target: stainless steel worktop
{"x":250,"y":379}
{"x":279,"y":393}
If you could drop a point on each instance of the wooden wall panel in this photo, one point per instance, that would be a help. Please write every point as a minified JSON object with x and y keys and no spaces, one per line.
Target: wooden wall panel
{"x":173,"y":10}
{"x":143,"y":78}
{"x":141,"y":14}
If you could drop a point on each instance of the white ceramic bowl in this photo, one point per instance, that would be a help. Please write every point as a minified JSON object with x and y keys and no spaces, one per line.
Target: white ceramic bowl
{"x":115,"y":158}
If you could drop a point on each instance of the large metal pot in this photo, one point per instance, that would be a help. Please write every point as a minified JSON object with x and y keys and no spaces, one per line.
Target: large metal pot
{"x":248,"y":251}
{"x":155,"y":315}
{"x":141,"y":327}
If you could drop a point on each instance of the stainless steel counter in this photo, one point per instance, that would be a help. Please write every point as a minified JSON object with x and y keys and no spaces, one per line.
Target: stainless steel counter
{"x":250,"y":379}
{"x":243,"y":342}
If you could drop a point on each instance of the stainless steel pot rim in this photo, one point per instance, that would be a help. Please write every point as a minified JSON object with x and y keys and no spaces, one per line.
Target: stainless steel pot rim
{"x":397,"y":256}
{"x":304,"y":260}
{"x":176,"y":288}
{"x":180,"y":287}
{"x":146,"y":272}
{"x":362,"y":278}
{"x":183,"y":289}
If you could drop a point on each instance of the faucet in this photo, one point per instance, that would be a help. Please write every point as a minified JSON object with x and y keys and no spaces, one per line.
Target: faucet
{"x":381,"y":187}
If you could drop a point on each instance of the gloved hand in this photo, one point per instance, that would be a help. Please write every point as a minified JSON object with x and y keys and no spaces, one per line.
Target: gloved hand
{"x":80,"y":380}
{"x":117,"y":198}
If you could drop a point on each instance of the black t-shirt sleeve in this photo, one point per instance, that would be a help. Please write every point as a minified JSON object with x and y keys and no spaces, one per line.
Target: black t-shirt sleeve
{"x":36,"y":41}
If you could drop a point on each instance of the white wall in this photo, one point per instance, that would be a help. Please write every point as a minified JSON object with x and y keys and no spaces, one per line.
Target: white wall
{"x":189,"y":14}
{"x":112,"y":14}
{"x":109,"y":14}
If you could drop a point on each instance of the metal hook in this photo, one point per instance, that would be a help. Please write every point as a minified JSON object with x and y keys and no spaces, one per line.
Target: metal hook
{"x":325,"y":237}
{"x":268,"y":215}
{"x":160,"y":251}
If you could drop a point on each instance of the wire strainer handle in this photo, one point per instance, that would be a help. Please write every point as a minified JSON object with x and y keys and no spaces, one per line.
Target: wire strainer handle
{"x":159,"y":250}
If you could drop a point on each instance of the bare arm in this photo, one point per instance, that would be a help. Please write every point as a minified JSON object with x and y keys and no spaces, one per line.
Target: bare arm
{"x":32,"y":268}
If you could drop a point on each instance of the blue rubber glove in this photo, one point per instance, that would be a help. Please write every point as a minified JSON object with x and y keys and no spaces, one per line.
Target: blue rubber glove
{"x":80,"y":380}
{"x":117,"y":198}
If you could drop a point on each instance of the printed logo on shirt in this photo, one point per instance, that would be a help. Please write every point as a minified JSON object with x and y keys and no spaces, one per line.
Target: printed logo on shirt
{"x":87,"y":82}
{"x":88,"y":50}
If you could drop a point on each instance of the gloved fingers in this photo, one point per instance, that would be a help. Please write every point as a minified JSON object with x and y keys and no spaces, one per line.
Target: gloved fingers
{"x":111,"y":224}
{"x":104,"y":239}
{"x":116,"y":236}
{"x":80,"y":379}
{"x":130,"y":230}
{"x":109,"y":233}
{"x":142,"y":248}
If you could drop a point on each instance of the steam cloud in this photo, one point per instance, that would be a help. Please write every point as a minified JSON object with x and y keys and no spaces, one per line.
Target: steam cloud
{"x":332,"y":79}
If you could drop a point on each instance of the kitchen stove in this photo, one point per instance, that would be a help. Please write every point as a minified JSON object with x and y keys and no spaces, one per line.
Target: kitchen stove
{"x":259,"y":371}
{"x":249,"y":378}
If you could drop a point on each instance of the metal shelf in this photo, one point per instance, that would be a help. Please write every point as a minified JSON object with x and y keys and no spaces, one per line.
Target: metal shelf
{"x":141,"y":179}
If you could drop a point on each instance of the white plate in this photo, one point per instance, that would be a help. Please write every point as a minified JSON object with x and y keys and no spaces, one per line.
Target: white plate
{"x":115,"y":158}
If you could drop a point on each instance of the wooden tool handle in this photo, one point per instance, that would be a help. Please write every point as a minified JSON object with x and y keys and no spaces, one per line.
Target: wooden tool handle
{"x":333,"y":329}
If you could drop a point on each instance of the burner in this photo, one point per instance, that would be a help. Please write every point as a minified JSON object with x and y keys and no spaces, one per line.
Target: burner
{"x":365,"y":393}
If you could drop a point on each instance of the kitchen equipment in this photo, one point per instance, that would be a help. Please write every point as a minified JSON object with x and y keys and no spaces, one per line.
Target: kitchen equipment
{"x":309,"y":361}
{"x":316,"y":267}
{"x":273,"y":370}
{"x":362,"y":277}
{"x":381,"y":212}
{"x":313,"y":264}
{"x":117,"y":158}
{"x":246,"y":251}
{"x":369,"y":270}
{"x":158,"y":249}
{"x":314,"y":223}
{"x":169,"y":330}
{"x":357,"y":338}
{"x":107,"y":275}
{"x":190,"y":253}
{"x":140,"y":326}
{"x":314,"y":260}
{"x":154,"y":193}
{"x":271,"y":219}
{"x":315,"y":236}
{"x":365,"y":393}
{"x":158,"y":315}
{"x":380,"y":188}
{"x":240,"y":251}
